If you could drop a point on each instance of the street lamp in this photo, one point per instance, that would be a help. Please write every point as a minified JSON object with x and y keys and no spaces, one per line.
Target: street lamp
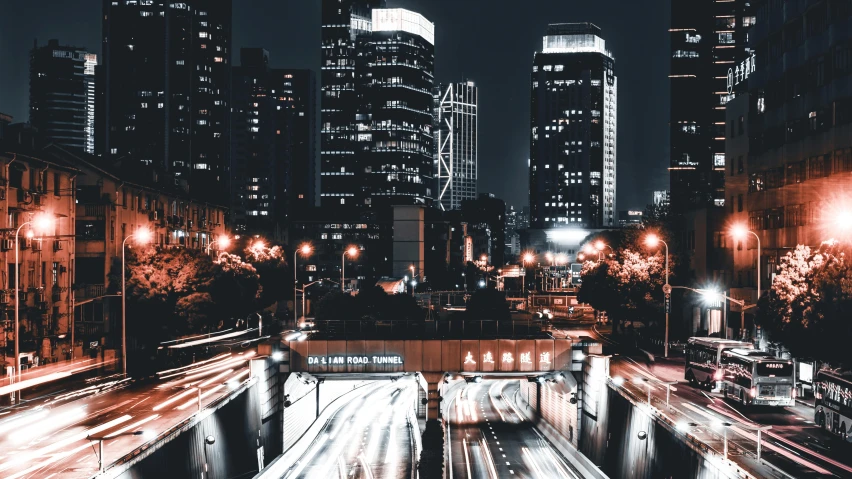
{"x":740,"y":231}
{"x":42,"y":222}
{"x":601,"y":246}
{"x":305,"y":249}
{"x":101,"y":440}
{"x":652,"y":241}
{"x":526,"y":258}
{"x":352,"y":252}
{"x":224,"y":241}
{"x":142,"y":236}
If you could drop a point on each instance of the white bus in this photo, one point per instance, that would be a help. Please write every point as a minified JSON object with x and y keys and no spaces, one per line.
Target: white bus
{"x":833,"y":405}
{"x":757,"y":378}
{"x":703,"y":356}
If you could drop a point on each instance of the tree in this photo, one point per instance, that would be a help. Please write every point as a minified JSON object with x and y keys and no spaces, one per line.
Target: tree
{"x":337,"y":306}
{"x":176,"y":291}
{"x":487,"y":304}
{"x":808,"y":307}
{"x":276,"y":279}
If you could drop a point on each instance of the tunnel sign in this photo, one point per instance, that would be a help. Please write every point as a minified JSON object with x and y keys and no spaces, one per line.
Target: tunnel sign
{"x":349,"y":359}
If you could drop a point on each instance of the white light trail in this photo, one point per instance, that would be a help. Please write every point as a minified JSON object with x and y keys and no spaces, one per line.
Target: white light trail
{"x":132,"y":426}
{"x":204,"y":396}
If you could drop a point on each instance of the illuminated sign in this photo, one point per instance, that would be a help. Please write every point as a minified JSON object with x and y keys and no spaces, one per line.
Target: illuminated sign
{"x":634,"y":213}
{"x":525,"y":358}
{"x":774,"y":365}
{"x":468,"y":249}
{"x":488,"y":358}
{"x":741,"y":72}
{"x":507,"y":358}
{"x":544,"y":358}
{"x":469,"y":359}
{"x":341,"y":360}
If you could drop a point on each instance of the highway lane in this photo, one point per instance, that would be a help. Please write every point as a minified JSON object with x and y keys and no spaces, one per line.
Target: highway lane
{"x":490,"y":439}
{"x":367,"y":437}
{"x":49,"y":439}
{"x":793,"y":445}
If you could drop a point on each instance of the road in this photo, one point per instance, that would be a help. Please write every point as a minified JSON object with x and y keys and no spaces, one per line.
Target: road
{"x":48,"y":438}
{"x":490,"y":439}
{"x":368,"y":437}
{"x":794,"y":444}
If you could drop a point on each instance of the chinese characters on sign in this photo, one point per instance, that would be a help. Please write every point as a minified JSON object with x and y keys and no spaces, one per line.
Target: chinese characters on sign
{"x":488,"y":358}
{"x":740,"y":72}
{"x":525,"y":358}
{"x":507,"y":358}
{"x":469,"y":359}
{"x":544,"y":358}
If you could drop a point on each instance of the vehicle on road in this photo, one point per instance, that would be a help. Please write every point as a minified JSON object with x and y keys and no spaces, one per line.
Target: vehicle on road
{"x":757,"y":378}
{"x":833,"y":402}
{"x":703,"y":356}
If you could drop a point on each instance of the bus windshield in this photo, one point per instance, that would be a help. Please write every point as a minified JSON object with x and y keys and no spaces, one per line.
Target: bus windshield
{"x":779,"y":369}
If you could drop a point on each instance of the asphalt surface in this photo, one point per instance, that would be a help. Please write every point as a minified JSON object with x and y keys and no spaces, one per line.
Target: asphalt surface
{"x":793,"y":447}
{"x":56,"y":435}
{"x":490,"y":439}
{"x":368,"y":437}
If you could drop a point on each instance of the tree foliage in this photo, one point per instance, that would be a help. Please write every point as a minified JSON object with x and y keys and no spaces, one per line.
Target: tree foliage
{"x":276,"y":279}
{"x":371,"y":304}
{"x":808,"y":307}
{"x":174,"y":291}
{"x":487,"y":304}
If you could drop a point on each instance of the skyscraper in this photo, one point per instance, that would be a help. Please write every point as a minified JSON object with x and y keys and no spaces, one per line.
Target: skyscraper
{"x":707,"y":38}
{"x":573,"y":130}
{"x":272,"y":144}
{"x":62,"y":94}
{"x":377,"y":106}
{"x":456,"y":143}
{"x":397,"y":144}
{"x":167,"y":73}
{"x":342,"y":23}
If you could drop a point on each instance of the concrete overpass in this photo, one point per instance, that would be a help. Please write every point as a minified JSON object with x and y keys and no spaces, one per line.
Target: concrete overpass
{"x":433,"y":359}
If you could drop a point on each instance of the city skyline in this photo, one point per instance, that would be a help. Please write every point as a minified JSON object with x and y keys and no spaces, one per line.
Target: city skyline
{"x":501,"y":73}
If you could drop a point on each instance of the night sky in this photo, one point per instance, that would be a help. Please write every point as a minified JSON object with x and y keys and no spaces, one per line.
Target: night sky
{"x":488,"y":41}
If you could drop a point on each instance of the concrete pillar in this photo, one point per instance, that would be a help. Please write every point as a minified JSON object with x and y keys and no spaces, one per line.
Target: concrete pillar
{"x":433,"y":394}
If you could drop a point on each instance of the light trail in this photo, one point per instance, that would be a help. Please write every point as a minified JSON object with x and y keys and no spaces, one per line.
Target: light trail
{"x":204,"y":396}
{"x":216,"y":377}
{"x":183,"y":369}
{"x":466,"y":458}
{"x":173,"y":399}
{"x":132,"y":426}
{"x":52,"y":422}
{"x":210,"y":340}
{"x":489,"y":460}
{"x":311,"y":453}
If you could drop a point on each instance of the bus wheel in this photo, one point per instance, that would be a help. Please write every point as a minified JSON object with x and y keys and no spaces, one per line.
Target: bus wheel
{"x":691,"y":378}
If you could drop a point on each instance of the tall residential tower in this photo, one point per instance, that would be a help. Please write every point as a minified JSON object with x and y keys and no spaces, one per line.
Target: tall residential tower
{"x":167,"y":73}
{"x":573,"y":130}
{"x":62,"y":94}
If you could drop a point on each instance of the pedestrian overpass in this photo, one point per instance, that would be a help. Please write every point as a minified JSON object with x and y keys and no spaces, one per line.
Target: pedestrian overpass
{"x":432,"y":359}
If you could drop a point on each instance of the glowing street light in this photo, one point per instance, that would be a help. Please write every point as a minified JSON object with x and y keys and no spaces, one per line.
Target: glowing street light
{"x":353,"y":253}
{"x":141,"y":236}
{"x":305,"y":249}
{"x":224,"y":241}
{"x":652,"y":241}
{"x":42,"y":222}
{"x":740,"y":232}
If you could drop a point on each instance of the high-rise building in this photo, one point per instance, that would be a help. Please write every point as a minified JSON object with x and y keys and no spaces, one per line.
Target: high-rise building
{"x":343,"y":22}
{"x":377,"y":106}
{"x":272,"y":144}
{"x":62,"y":94}
{"x":397,"y":67}
{"x":456,"y":143}
{"x":167,"y":72}
{"x":661,"y":198}
{"x":298,"y":87}
{"x":789,"y":139}
{"x":573,"y":130}
{"x":707,"y":38}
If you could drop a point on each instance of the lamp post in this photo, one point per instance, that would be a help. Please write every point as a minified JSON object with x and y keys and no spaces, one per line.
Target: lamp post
{"x":411,"y":285}
{"x":653,"y":241}
{"x":224,"y":241}
{"x":42,"y":222}
{"x":101,"y":440}
{"x":352,"y":252}
{"x":142,"y":235}
{"x":740,"y":232}
{"x":526,"y":258}
{"x":306,"y":250}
